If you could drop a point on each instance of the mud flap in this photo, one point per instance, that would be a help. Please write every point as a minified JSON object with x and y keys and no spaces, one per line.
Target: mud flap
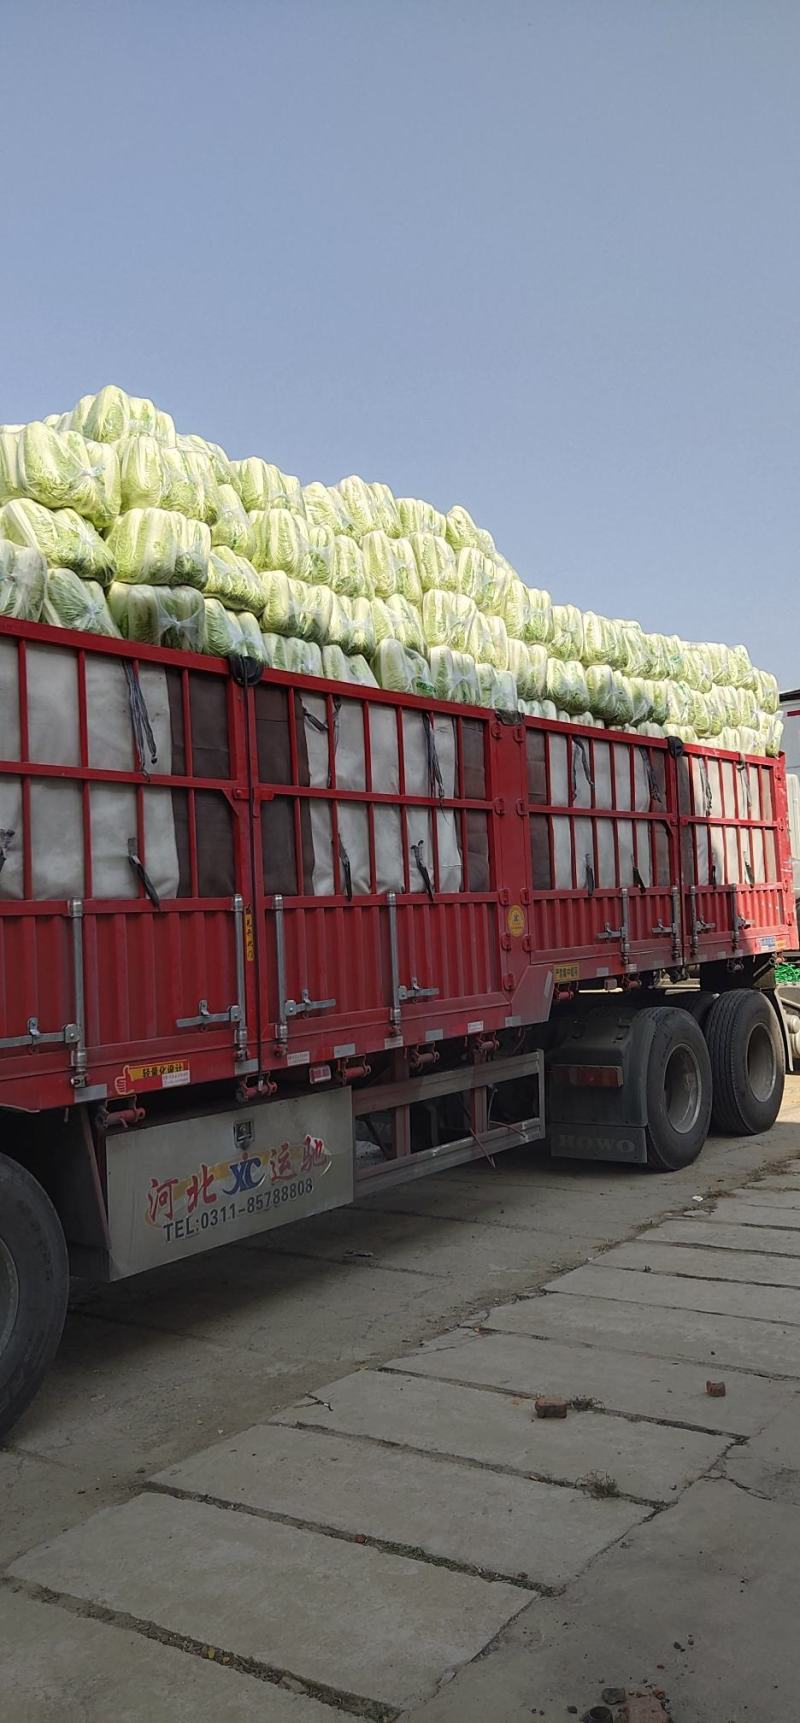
{"x":597,"y":1103}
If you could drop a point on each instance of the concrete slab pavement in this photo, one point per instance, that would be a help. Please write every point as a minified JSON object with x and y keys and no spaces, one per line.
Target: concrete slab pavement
{"x":644,"y":1460}
{"x":512,"y":1527}
{"x":340,"y":1615}
{"x":698,"y":1602}
{"x":61,"y":1667}
{"x":353,"y":1575}
{"x":617,"y":1382}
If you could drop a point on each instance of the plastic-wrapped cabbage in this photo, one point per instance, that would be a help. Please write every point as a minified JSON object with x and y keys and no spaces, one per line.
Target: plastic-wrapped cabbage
{"x":566,"y":685}
{"x":498,"y":634}
{"x":320,"y":555}
{"x":286,"y":605}
{"x":416,"y":516}
{"x":159,"y":615}
{"x":380,"y":563}
{"x":232,"y":525}
{"x":222,"y":634}
{"x":262,"y":485}
{"x":461,"y":531}
{"x":161,"y":548}
{"x":324,"y":506}
{"x":111,"y":414}
{"x":233,"y":580}
{"x":602,"y":691}
{"x":657,"y":657}
{"x":697,"y":669}
{"x":386,"y":512}
{"x":405,"y":623}
{"x":636,"y":655}
{"x":70,"y":602}
{"x":382,"y":621}
{"x":322,"y":616}
{"x":23,"y":573}
{"x":280,"y":540}
{"x":496,"y":688}
{"x":298,"y":657}
{"x":454,"y":676}
{"x":9,"y":462}
{"x":603,"y":641}
{"x":360,"y":636}
{"x":478,"y":639}
{"x":409,"y":584}
{"x":360,"y":503}
{"x":400,"y":670}
{"x":252,"y":638}
{"x":678,"y":707}
{"x":64,"y":538}
{"x":640,"y":691}
{"x":446,"y":618}
{"x":155,"y":477}
{"x":771,"y":734}
{"x":475,"y":574}
{"x":767,"y":691}
{"x":435,"y":560}
{"x":63,"y":470}
{"x":507,"y":597}
{"x":338,"y":667}
{"x":528,"y":611}
{"x":348,"y":576}
{"x":567,"y":632}
{"x":742,"y":674}
{"x":191,"y":444}
{"x":674,"y":657}
{"x":528,"y":665}
{"x":699,"y":715}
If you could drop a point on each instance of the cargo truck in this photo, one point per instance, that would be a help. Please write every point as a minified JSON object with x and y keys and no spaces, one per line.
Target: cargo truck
{"x":268,"y":941}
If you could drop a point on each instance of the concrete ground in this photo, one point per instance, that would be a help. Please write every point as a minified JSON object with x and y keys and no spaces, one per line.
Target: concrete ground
{"x":301,"y":1477}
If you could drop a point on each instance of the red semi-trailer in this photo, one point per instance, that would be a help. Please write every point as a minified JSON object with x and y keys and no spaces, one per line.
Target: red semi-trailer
{"x":267,"y":940}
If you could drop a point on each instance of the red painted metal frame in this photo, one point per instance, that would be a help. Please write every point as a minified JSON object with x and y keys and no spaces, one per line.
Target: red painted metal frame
{"x":494,"y":955}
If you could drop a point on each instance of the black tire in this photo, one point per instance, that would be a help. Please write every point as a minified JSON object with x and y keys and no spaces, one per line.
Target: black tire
{"x":748,"y":1063}
{"x":679,"y":1088}
{"x":34,"y":1284}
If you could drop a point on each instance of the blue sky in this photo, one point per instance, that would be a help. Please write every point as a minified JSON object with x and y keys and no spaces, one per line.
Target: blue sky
{"x":540,"y":257}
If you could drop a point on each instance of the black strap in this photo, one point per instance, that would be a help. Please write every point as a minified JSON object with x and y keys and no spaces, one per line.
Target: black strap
{"x":140,"y":718}
{"x":416,"y":851}
{"x":344,"y":861}
{"x":744,"y":774}
{"x":637,"y":878}
{"x":652,"y":781}
{"x":435,"y":778}
{"x":245,"y":671}
{"x":706,"y":782}
{"x":5,"y":845}
{"x":579,"y":751}
{"x":141,"y":873}
{"x":589,"y":876}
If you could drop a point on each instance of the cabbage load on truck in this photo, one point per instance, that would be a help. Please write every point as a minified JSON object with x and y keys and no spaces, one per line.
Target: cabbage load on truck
{"x":267,"y":940}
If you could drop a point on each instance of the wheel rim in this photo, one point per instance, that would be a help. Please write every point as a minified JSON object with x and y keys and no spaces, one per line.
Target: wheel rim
{"x":9,"y":1296}
{"x":762,"y":1065}
{"x":683,"y":1090}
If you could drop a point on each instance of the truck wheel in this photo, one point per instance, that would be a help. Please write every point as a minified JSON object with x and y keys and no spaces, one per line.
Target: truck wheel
{"x":747,"y":1062}
{"x":678,"y":1087}
{"x":34,"y":1283}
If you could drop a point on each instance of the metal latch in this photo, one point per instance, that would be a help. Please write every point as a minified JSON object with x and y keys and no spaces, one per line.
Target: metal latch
{"x":416,"y":992}
{"x":36,"y":1037}
{"x":205,"y":1017}
{"x":300,"y":1007}
{"x":621,"y":932}
{"x":698,"y":924}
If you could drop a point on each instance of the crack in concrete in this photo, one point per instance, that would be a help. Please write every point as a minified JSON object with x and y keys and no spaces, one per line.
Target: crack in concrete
{"x":354,"y":1704}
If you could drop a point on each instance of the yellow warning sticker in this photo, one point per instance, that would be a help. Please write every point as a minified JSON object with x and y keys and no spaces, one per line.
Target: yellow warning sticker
{"x":249,"y":937}
{"x":566,"y":972}
{"x":515,"y":921}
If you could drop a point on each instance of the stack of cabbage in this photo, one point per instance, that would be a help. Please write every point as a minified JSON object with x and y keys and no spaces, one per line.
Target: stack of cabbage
{"x":116,"y":524}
